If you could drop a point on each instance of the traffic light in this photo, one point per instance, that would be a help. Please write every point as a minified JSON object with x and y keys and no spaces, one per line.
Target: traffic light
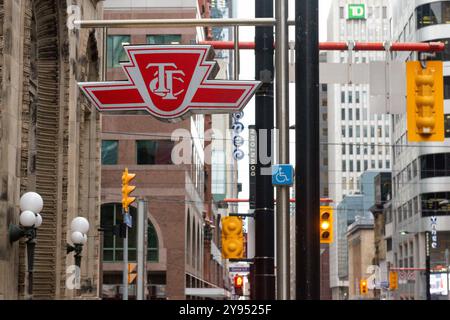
{"x":127,"y":189}
{"x":393,"y":280}
{"x":132,"y":272}
{"x":238,"y":283}
{"x":232,"y":238}
{"x":326,"y":224}
{"x":425,"y":101}
{"x":363,"y":286}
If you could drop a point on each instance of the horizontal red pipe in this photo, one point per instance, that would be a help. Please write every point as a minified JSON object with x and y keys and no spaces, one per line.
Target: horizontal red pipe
{"x":235,"y":200}
{"x":359,"y":46}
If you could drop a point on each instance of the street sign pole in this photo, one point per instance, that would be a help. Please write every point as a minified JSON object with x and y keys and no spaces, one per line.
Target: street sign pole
{"x":264,"y":204}
{"x":282,"y":112}
{"x":141,"y":245}
{"x":125,"y":260}
{"x":307,"y":157}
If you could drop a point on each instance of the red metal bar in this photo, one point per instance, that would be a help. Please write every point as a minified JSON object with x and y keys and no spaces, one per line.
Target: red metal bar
{"x":236,"y":200}
{"x":342,"y":46}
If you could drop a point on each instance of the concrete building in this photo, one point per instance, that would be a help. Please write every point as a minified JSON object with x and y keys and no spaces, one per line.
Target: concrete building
{"x":49,"y":142}
{"x":381,"y":211}
{"x":421,"y":175}
{"x":358,"y":140}
{"x":183,"y":256}
{"x":360,"y":256}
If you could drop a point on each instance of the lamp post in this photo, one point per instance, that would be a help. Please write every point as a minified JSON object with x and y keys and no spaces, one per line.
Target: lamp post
{"x":79,"y":228}
{"x":31,"y":205}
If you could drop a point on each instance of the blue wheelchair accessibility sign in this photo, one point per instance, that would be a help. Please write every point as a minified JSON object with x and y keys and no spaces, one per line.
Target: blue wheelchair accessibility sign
{"x":282,"y":175}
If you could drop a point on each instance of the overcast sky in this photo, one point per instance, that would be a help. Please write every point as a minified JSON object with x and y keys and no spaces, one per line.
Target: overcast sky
{"x":246,"y":9}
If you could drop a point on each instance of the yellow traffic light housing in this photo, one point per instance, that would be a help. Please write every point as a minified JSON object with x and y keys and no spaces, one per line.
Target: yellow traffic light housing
{"x":326,"y":224}
{"x":232,"y":238}
{"x":425,"y":101}
{"x":132,"y":272}
{"x":393,"y":280}
{"x":127,"y":189}
{"x":363,"y":286}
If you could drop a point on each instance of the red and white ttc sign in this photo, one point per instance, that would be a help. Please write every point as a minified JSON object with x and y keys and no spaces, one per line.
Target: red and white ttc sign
{"x":170,"y":82}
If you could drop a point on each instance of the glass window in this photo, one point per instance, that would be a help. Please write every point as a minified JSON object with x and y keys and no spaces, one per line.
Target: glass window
{"x":350,"y":132}
{"x":366,"y":165}
{"x":116,"y":53}
{"x":343,"y":131}
{"x":110,"y":149}
{"x":343,"y":149}
{"x":357,"y":100}
{"x":351,"y":166}
{"x":357,"y":114}
{"x":350,"y":114}
{"x":342,"y":114}
{"x":111,"y":217}
{"x":372,"y":164}
{"x":358,"y":131}
{"x":164,"y":39}
{"x":350,"y":146}
{"x":447,"y":125}
{"x":154,"y":151}
{"x":358,"y":166}
{"x":435,"y":165}
{"x":341,"y":12}
{"x":447,"y":87}
{"x":344,"y":166}
{"x":350,"y":97}
{"x":342,"y":96}
{"x":380,"y":164}
{"x":365,"y":131}
{"x":384,"y":12}
{"x":388,"y":164}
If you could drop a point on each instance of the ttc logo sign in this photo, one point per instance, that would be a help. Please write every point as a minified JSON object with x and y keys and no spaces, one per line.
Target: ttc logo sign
{"x":170,"y":82}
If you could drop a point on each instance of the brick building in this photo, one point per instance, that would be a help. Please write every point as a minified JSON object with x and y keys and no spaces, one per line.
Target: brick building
{"x":183,"y":258}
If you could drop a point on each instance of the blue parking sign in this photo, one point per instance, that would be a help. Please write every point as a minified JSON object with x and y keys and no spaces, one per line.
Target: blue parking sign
{"x":282,"y":175}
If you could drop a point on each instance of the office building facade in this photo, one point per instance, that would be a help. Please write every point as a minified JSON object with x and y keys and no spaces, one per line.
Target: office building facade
{"x":421,"y":172}
{"x":358,"y":138}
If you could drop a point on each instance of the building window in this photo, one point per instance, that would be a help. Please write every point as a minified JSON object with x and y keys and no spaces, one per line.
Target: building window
{"x":350,"y":114}
{"x":341,"y":12}
{"x":434,"y":165}
{"x":116,"y":53}
{"x":350,"y":132}
{"x":111,"y":215}
{"x":366,"y":165}
{"x":433,"y":13}
{"x":446,"y":87}
{"x":344,"y":167}
{"x":388,"y":164}
{"x":442,"y":55}
{"x":343,"y":149}
{"x":342,"y":114}
{"x":154,"y":151}
{"x":343,"y":131}
{"x":389,"y":244}
{"x":447,"y":125}
{"x":110,"y":151}
{"x":164,"y":39}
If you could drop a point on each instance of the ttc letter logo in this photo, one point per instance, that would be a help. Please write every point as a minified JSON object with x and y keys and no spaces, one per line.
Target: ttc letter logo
{"x":170,"y":82}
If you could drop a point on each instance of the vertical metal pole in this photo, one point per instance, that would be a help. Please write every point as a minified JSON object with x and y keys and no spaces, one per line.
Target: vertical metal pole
{"x":427,"y":264}
{"x":447,"y":257}
{"x":307,"y":173}
{"x":236,"y":53}
{"x":140,"y":250}
{"x":264,"y":204}
{"x":125,"y":261}
{"x":282,"y":112}
{"x":31,"y":245}
{"x":105,"y":54}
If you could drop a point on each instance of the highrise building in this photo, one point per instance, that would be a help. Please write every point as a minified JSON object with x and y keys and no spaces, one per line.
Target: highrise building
{"x":358,"y":140}
{"x":421,"y":171}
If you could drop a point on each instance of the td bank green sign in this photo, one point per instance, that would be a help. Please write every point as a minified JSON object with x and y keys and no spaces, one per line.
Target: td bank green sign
{"x":356,"y":12}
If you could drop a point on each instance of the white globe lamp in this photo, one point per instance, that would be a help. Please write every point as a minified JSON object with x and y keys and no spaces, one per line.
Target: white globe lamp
{"x":31,"y":201}
{"x":80,"y":224}
{"x":27,"y":218}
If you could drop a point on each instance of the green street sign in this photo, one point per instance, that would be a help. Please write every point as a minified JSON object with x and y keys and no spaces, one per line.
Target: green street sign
{"x":356,"y":12}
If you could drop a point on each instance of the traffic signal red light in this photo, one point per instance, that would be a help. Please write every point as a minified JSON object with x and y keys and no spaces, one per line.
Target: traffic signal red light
{"x":238,"y":281}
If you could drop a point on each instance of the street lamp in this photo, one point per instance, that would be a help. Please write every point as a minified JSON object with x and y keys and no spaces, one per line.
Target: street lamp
{"x":31,"y":205}
{"x":79,"y":228}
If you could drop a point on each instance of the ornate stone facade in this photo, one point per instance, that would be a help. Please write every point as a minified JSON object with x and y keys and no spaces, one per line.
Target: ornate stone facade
{"x":49,"y":141}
